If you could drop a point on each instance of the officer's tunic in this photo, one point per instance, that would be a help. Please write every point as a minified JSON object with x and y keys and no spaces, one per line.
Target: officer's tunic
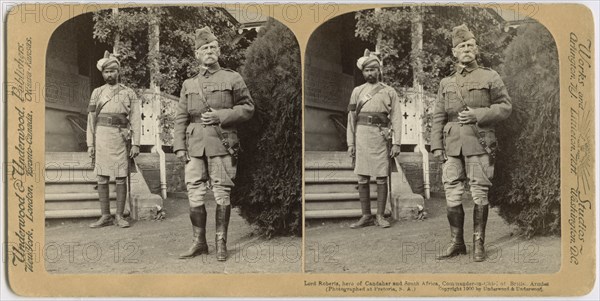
{"x":372,"y":152}
{"x":110,"y":145}
{"x":227,"y":95}
{"x":482,"y":90}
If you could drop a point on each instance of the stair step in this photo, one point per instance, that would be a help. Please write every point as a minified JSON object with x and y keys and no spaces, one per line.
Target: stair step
{"x":74,"y":180}
{"x":330,"y":176}
{"x":351,"y":187}
{"x":327,"y":160}
{"x":337,"y":213}
{"x":335,"y":196}
{"x":61,"y":197}
{"x":70,"y":187}
{"x":74,"y":157}
{"x":79,"y":213}
{"x":337,"y":205}
{"x":67,"y":175}
{"x":78,"y":205}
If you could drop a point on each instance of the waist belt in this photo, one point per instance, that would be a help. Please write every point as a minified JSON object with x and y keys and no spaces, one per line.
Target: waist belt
{"x":195,"y":119}
{"x":374,"y":119}
{"x":112,"y":120}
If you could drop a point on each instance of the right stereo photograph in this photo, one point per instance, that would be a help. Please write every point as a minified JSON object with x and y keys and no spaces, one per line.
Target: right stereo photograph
{"x":432,"y":143}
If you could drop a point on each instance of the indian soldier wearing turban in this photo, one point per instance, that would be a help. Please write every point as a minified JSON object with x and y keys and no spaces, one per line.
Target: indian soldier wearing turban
{"x":211,"y":107}
{"x":374,"y":117}
{"x":113,"y":124}
{"x":471,"y":101}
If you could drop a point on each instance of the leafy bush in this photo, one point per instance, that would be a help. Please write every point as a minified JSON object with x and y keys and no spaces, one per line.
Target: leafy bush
{"x":269,"y":180}
{"x":527,"y":176}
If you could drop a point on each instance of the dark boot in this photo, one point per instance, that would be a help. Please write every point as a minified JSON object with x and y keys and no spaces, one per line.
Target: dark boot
{"x":365,"y":204}
{"x":382,"y":193}
{"x":456,"y":218}
{"x":121,"y":198}
{"x":480,"y":216}
{"x":199,"y":245}
{"x":106,"y":219}
{"x":222,"y":221}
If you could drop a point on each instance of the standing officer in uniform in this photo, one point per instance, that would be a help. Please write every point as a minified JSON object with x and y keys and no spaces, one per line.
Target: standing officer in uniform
{"x":212,"y":104}
{"x":113,"y":119}
{"x":471,"y":101}
{"x":374,"y":117}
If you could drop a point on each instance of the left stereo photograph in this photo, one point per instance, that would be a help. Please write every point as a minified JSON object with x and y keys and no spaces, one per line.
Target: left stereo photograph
{"x":173,"y":143}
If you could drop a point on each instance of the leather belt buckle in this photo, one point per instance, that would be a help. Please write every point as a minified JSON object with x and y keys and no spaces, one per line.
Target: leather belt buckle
{"x":109,"y":120}
{"x":370,"y":119}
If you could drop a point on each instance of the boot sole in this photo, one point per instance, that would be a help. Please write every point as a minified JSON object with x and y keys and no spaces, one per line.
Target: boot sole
{"x":457,"y":253}
{"x":197,"y":253}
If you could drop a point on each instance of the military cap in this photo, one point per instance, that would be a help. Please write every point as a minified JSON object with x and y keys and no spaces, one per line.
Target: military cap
{"x":108,"y":61}
{"x":204,"y":36}
{"x":461,"y":34}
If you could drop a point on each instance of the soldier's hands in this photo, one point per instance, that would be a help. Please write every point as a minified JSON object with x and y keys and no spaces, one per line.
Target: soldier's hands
{"x":91,"y":151}
{"x":439,"y":154}
{"x":395,"y":151}
{"x":467,"y":116}
{"x":134,"y":152}
{"x":351,"y":151}
{"x":182,"y":155}
{"x":210,"y":118}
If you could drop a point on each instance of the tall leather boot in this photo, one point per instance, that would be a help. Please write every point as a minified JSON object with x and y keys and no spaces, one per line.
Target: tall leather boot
{"x":480,"y":217}
{"x":199,"y":245}
{"x":382,"y":193}
{"x":106,"y":219}
{"x":222,"y":221}
{"x":456,"y":218}
{"x":365,"y":203}
{"x":121,"y":198}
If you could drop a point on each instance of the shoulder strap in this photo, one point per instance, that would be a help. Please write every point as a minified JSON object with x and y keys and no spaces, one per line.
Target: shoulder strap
{"x":368,"y":97}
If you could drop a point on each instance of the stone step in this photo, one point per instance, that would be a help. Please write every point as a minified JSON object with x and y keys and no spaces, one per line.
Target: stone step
{"x":337,"y":213}
{"x":334,"y":197}
{"x":69,"y":175}
{"x":78,"y":205}
{"x":68,"y":213}
{"x":337,"y":205}
{"x":351,"y":187}
{"x":327,"y":160}
{"x":74,"y":187}
{"x":330,"y":176}
{"x":70,"y":197}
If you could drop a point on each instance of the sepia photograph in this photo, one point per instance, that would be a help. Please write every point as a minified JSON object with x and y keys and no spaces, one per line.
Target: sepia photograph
{"x":173,"y":143}
{"x":432,"y":143}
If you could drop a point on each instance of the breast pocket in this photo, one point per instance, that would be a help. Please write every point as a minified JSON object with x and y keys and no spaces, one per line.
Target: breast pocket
{"x":479,"y":95}
{"x":451,"y":97}
{"x":194,"y":102}
{"x":219,"y":95}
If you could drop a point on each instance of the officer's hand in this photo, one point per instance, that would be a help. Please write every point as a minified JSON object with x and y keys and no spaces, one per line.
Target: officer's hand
{"x":134,"y":152}
{"x":182,"y":155}
{"x":467,"y":116}
{"x":351,"y":151}
{"x":209,"y":118}
{"x":91,"y":151}
{"x":439,"y":154}
{"x":395,"y":150}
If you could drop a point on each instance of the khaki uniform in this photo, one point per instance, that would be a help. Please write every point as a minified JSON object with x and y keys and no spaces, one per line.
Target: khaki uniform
{"x":370,"y":141}
{"x":227,"y":95}
{"x":112,"y":155}
{"x":482,"y":90}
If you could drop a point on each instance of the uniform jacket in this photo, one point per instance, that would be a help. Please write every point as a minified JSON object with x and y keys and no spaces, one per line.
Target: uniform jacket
{"x":124,"y":101}
{"x":227,"y":95}
{"x":482,"y":90}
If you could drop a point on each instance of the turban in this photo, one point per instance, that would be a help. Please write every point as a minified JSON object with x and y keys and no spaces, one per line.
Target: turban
{"x":109,"y":60}
{"x":368,"y":59}
{"x":461,"y":34}
{"x":204,"y":36}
